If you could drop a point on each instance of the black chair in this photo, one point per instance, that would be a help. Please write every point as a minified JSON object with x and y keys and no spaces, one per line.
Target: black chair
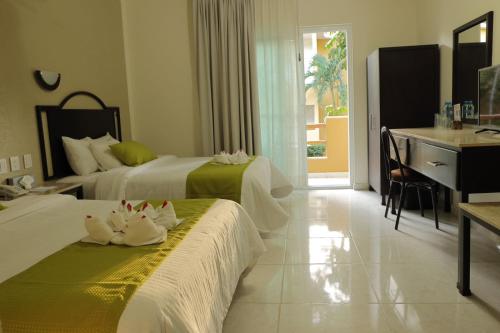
{"x":405,"y":178}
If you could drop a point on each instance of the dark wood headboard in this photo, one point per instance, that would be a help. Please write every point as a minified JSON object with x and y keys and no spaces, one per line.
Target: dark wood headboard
{"x":54,"y":122}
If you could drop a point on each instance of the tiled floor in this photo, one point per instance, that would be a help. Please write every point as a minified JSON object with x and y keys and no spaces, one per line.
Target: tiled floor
{"x":331,"y":179}
{"x":339,"y":266}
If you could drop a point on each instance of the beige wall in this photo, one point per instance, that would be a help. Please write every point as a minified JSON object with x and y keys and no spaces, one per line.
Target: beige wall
{"x":82,"y":39}
{"x":375,"y":23}
{"x":162,"y":92}
{"x":438,"y":18}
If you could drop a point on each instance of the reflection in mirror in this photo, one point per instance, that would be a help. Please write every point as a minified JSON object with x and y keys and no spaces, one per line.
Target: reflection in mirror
{"x":48,"y":80}
{"x":476,"y":34}
{"x":472,"y":50}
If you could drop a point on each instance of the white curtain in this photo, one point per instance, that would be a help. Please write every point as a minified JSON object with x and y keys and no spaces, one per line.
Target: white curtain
{"x":227,"y":75}
{"x":282,"y":122}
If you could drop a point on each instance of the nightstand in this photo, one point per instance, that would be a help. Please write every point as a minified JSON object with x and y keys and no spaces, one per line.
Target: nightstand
{"x":74,"y":189}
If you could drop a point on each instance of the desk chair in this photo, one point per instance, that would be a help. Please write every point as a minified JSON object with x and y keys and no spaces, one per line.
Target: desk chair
{"x":405,"y":178}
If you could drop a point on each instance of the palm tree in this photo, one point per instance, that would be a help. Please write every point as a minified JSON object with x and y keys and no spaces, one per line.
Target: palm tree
{"x":326,"y":72}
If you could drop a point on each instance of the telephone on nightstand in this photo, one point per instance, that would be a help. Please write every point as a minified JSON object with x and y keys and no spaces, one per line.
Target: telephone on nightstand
{"x":11,"y":192}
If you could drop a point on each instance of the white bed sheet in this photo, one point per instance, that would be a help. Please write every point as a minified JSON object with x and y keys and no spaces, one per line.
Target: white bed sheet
{"x":189,"y":292}
{"x":166,"y":177}
{"x":88,"y":183}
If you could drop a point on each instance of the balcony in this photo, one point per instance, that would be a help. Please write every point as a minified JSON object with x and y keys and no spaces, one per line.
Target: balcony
{"x":332,"y":168}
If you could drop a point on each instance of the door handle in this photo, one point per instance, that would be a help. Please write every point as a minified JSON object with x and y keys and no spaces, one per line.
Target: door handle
{"x":435,"y":163}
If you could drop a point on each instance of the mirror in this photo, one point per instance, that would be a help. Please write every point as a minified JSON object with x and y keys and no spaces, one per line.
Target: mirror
{"x":472,"y":50}
{"x":47,"y":80}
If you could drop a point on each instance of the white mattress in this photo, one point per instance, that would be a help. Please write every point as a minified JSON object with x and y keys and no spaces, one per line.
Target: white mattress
{"x":88,"y":183}
{"x":190,"y":291}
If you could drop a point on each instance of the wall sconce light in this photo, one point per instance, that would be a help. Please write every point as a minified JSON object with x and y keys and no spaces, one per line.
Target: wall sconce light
{"x":47,"y":80}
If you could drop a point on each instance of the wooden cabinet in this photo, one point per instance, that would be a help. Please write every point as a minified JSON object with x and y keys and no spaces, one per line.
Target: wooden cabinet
{"x":403,"y":92}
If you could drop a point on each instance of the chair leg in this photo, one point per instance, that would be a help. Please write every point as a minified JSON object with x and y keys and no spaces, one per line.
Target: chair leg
{"x":434,"y":205}
{"x":401,"y":203}
{"x":389,"y":198}
{"x":419,"y":194}
{"x":393,"y":210}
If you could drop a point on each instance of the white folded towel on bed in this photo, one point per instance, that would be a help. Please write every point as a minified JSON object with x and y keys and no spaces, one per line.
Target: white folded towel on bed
{"x":166,"y":216}
{"x":141,"y":230}
{"x":116,"y":221}
{"x":239,"y":157}
{"x":126,"y":209}
{"x":149,"y":210}
{"x":128,"y":227}
{"x":99,"y":232}
{"x":222,"y":158}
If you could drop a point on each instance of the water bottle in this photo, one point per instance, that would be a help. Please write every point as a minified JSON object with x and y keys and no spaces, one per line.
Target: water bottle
{"x":472,"y":110}
{"x":466,"y":110}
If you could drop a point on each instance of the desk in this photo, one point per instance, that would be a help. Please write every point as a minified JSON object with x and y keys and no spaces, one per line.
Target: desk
{"x":458,"y":159}
{"x":487,"y":215}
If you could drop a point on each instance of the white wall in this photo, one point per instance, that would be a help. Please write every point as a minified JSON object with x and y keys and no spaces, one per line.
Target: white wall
{"x":438,"y":18}
{"x":160,"y":71}
{"x":375,"y":23}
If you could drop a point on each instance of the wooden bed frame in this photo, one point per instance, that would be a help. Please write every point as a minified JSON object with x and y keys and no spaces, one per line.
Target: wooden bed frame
{"x":54,"y":122}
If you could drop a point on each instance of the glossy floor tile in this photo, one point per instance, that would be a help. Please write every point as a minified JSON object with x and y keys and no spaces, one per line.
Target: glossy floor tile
{"x":337,"y":318}
{"x":339,"y":283}
{"x":439,"y":318}
{"x":339,"y":266}
{"x":321,"y":251}
{"x":252,"y":317}
{"x":275,"y":254}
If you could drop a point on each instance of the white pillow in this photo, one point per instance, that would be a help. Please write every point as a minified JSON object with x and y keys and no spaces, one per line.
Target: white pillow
{"x":105,"y":139}
{"x":103,"y":155}
{"x":79,"y":156}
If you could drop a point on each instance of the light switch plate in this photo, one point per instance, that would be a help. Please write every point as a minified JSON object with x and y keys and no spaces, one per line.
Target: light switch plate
{"x":15,"y":163}
{"x":28,"y":161}
{"x":4,"y":168}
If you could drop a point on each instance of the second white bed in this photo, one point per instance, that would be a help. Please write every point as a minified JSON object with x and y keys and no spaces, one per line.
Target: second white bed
{"x":165,"y":178}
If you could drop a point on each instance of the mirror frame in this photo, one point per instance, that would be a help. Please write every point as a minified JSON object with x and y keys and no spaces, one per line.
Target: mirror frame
{"x":488,"y":18}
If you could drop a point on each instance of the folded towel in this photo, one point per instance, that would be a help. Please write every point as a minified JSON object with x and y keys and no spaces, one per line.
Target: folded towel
{"x":99,"y":232}
{"x":116,"y":221}
{"x":149,"y":210}
{"x":239,"y":157}
{"x":166,"y":216}
{"x":126,"y":209}
{"x":222,"y":158}
{"x":141,"y":230}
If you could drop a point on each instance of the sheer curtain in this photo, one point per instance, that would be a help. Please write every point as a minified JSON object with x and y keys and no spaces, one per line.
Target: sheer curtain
{"x":282,"y":122}
{"x":227,"y":75}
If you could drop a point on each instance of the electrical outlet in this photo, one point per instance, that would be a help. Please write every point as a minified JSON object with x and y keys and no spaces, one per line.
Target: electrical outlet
{"x":28,"y":161}
{"x":15,"y":163}
{"x":4,"y":168}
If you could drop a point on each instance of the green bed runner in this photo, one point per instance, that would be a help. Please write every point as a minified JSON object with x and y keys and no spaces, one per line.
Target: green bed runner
{"x":86,"y":287}
{"x":213,"y":180}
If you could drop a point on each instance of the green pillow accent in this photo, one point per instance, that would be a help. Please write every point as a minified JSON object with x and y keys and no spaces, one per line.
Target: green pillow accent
{"x":132,"y":153}
{"x":2,"y":207}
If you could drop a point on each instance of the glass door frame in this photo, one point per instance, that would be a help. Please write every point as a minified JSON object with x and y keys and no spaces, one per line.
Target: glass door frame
{"x":347,"y":28}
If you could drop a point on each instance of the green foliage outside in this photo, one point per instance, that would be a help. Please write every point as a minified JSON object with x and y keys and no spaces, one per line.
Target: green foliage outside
{"x":317,"y":150}
{"x":327,"y":73}
{"x":340,"y":111}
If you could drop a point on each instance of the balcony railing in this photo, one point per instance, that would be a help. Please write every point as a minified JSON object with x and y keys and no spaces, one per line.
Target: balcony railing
{"x":334,"y":134}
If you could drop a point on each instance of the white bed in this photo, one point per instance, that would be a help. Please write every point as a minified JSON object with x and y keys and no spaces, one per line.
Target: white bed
{"x":179,"y":296}
{"x":166,"y":177}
